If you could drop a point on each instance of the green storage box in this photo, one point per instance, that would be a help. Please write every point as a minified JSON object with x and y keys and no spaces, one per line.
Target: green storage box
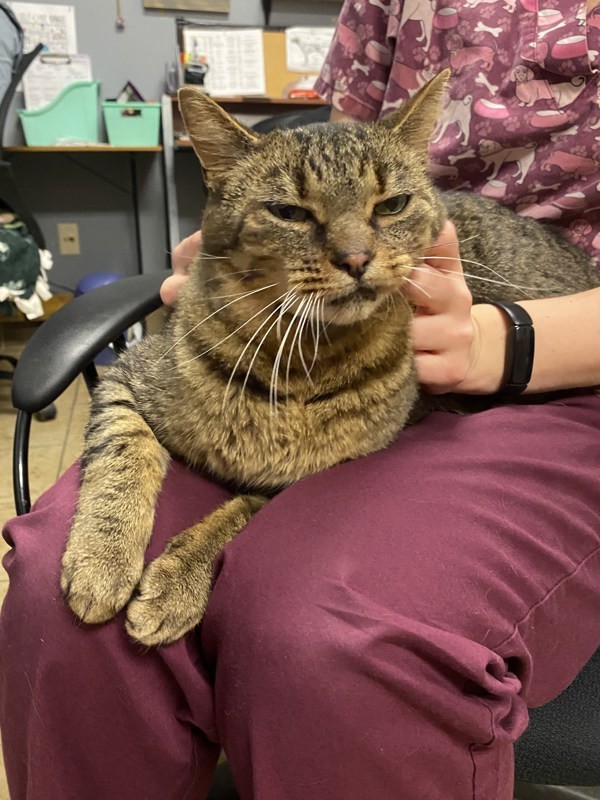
{"x":71,"y":117}
{"x":132,"y":124}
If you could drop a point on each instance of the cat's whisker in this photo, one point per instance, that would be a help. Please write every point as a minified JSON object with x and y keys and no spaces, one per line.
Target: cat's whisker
{"x":475,"y":263}
{"x":406,"y":303}
{"x":450,"y":274}
{"x":223,"y":275}
{"x":416,"y":285}
{"x":239,"y":328}
{"x":222,"y":308}
{"x":304,"y":303}
{"x":211,"y":256}
{"x":306,"y":315}
{"x":207,"y":256}
{"x":288,"y":302}
{"x":277,"y":362}
{"x":325,"y":324}
{"x":286,"y":298}
{"x":315,"y":325}
{"x":282,"y":311}
{"x":459,"y":241}
{"x":441,"y":244}
{"x":225,"y":296}
{"x":391,"y":305}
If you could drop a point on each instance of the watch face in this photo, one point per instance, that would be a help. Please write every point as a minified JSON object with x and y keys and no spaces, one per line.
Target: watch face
{"x":520,"y":347}
{"x":523,"y":351}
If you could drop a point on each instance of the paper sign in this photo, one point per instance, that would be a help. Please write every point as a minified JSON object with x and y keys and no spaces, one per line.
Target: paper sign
{"x":52,"y":25}
{"x":50,"y":73}
{"x":235,"y":59}
{"x":306,"y":48}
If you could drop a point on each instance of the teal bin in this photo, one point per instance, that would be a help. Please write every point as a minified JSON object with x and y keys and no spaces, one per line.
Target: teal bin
{"x":132,"y":124}
{"x":71,"y":117}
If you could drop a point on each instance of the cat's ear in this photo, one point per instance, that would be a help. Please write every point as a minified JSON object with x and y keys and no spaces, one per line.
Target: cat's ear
{"x":417,"y":118}
{"x":215,"y":135}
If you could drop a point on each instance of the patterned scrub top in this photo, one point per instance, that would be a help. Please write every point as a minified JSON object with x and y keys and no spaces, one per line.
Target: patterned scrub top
{"x":521,"y":122}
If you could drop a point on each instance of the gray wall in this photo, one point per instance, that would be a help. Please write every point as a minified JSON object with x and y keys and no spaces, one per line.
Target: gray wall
{"x":93,"y":190}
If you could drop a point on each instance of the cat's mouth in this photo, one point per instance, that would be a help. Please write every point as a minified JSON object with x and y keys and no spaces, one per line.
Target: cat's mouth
{"x":364,"y":293}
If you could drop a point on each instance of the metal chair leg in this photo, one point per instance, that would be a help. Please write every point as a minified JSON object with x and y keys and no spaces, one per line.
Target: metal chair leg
{"x":20,"y":462}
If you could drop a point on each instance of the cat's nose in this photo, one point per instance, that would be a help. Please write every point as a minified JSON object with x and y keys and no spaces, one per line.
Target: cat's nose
{"x":355,"y":264}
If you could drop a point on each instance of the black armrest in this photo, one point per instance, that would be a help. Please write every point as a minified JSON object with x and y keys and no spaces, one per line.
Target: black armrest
{"x":63,"y":345}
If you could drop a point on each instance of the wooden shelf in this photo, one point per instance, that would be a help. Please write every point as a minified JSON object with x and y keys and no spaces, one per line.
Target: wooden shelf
{"x":92,"y":148}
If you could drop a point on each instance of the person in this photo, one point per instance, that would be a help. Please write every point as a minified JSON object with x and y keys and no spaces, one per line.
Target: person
{"x":379,"y":629}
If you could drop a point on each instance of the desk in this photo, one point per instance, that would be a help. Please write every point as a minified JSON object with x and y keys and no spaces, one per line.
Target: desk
{"x":106,"y":148}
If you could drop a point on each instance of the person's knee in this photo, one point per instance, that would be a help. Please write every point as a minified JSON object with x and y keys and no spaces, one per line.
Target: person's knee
{"x":321,"y":647}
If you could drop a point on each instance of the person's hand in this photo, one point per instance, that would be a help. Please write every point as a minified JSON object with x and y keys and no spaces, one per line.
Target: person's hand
{"x":444,"y":336}
{"x":458,"y":347}
{"x":183,"y":255}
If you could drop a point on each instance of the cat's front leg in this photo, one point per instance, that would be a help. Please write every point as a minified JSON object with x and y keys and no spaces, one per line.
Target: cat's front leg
{"x":174,"y":589}
{"x":122,"y":468}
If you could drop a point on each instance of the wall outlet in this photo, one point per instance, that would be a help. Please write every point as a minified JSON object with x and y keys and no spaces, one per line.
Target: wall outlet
{"x":68,"y":239}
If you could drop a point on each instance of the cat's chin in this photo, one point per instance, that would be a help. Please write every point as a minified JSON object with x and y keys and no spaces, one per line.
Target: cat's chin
{"x":356,"y":306}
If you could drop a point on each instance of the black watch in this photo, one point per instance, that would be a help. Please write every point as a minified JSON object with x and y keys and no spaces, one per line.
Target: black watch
{"x":520,"y":349}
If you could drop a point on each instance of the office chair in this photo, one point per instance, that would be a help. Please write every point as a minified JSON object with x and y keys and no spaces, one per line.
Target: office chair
{"x":562,"y":743}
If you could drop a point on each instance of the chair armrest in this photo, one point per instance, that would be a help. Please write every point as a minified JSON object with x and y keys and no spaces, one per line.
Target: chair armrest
{"x":70,"y":339}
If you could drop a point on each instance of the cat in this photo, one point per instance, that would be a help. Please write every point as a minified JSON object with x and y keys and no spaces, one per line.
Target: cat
{"x":289,"y":348}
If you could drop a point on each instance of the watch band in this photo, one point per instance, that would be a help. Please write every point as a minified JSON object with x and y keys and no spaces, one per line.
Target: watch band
{"x":520,"y":349}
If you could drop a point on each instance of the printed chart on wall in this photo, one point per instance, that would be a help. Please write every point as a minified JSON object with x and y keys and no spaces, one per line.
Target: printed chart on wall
{"x":52,"y":25}
{"x":235,"y":59}
{"x":59,"y":64}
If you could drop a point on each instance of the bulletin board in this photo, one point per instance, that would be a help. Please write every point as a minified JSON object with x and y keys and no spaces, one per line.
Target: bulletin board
{"x":217,"y":6}
{"x":277,"y":75}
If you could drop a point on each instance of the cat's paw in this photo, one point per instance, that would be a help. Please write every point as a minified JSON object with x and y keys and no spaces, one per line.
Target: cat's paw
{"x":95,"y":585}
{"x":170,"y":601}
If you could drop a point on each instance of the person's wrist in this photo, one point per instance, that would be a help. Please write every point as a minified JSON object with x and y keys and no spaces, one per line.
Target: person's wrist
{"x":488,"y":352}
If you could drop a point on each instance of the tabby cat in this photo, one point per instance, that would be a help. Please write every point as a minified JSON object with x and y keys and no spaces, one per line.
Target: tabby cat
{"x":289,"y":348}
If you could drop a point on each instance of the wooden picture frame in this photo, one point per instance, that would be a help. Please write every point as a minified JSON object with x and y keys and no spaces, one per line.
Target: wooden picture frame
{"x":214,"y":6}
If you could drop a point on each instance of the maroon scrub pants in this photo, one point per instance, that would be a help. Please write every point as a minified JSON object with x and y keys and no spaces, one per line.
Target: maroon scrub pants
{"x":377,"y":632}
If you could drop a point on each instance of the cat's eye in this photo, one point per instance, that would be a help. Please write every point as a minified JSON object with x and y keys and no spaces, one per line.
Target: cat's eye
{"x":289,"y":213}
{"x":393,"y":205}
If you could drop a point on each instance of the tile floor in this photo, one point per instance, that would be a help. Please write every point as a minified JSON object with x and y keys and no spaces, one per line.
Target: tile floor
{"x":54,"y":446}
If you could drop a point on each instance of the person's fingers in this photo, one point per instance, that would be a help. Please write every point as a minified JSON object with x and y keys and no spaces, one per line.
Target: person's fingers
{"x":437,"y":282}
{"x":438,"y":373}
{"x":445,"y":250}
{"x":170,"y":288}
{"x":439,"y":333}
{"x":185,"y":252}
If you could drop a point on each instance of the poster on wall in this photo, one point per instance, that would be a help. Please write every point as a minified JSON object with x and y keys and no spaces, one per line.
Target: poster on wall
{"x":216,"y":6}
{"x":235,"y":59}
{"x":52,"y":25}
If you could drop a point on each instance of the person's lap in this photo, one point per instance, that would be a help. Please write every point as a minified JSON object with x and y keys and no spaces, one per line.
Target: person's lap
{"x":455,"y":570}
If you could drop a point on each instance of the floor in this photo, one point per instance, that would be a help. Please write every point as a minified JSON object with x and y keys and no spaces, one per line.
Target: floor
{"x":54,"y":446}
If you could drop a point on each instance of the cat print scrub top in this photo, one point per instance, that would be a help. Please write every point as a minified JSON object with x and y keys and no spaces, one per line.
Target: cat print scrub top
{"x":521,"y":122}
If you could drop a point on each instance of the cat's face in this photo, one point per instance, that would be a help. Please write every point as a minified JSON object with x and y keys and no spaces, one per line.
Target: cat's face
{"x":332,"y":216}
